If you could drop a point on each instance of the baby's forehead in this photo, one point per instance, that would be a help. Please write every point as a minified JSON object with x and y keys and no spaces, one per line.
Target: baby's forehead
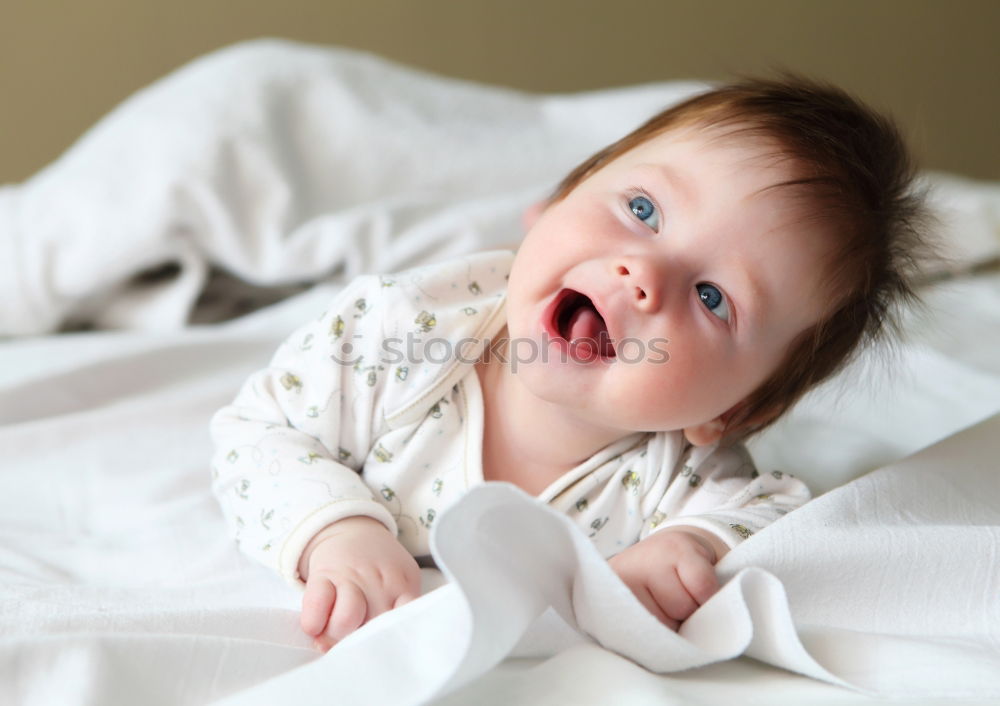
{"x":742,"y":143}
{"x":741,"y":178}
{"x":698,"y":157}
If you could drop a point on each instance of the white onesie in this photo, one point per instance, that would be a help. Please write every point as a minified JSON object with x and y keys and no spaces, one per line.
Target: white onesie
{"x":375,"y":409}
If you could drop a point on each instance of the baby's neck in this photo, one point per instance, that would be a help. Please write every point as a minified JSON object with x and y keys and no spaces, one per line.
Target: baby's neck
{"x":527,"y":441}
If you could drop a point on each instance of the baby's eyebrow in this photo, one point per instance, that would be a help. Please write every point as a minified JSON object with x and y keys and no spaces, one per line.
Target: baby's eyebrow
{"x":677,"y":181}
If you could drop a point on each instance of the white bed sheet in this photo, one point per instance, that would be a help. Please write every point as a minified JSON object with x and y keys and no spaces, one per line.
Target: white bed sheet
{"x":285,"y":164}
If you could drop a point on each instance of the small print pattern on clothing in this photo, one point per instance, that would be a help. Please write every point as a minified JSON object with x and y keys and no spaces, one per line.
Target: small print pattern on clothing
{"x":369,"y":410}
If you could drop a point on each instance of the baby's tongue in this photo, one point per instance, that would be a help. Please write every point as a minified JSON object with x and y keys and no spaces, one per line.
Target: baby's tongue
{"x":585,"y":323}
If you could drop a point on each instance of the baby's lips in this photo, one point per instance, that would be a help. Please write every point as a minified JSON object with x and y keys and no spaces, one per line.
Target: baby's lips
{"x":599,"y":346}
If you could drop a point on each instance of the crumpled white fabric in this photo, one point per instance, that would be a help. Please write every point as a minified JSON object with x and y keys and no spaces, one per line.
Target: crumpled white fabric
{"x":281,"y":163}
{"x":120,"y":584}
{"x":846,"y":597}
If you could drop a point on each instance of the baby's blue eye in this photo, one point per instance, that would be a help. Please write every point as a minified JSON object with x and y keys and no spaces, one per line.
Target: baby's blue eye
{"x":713,"y":299}
{"x":645,"y":211}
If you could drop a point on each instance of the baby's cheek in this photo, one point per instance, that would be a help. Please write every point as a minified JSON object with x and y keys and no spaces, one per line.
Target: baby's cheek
{"x":682,"y":390}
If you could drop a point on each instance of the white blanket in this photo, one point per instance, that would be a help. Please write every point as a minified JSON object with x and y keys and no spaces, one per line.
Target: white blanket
{"x":284,"y":165}
{"x":876,"y":627}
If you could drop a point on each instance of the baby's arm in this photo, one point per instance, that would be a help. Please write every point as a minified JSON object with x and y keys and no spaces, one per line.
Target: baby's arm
{"x":716,"y":500}
{"x":288,"y":454}
{"x":354,"y":570}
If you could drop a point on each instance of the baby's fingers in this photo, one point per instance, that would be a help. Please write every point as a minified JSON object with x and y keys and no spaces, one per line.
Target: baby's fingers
{"x":405,"y":598}
{"x":699,"y":579}
{"x":350,"y":610}
{"x":316,"y":604}
{"x":403,"y":585}
{"x":670,"y":596}
{"x":645,"y":597}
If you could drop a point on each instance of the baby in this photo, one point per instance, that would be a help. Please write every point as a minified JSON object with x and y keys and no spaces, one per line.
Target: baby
{"x":679,"y":291}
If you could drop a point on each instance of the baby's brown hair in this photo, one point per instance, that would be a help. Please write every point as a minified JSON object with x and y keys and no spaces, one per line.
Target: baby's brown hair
{"x":852,"y":172}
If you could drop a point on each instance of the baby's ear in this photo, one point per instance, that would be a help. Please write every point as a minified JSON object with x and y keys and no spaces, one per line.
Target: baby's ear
{"x":532,"y":213}
{"x":712,"y":431}
{"x":705,"y":434}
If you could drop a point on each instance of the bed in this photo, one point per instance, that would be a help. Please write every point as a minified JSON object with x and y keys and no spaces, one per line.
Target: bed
{"x":160,"y":260}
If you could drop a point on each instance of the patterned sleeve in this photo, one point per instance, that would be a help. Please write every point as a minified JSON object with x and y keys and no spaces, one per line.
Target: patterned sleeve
{"x":718,"y":490}
{"x":289,"y":449}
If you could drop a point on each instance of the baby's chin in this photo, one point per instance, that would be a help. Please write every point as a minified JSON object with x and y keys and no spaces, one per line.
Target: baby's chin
{"x":594,"y":407}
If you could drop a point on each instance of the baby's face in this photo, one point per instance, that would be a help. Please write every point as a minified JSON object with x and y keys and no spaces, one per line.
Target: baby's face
{"x":699,"y":275}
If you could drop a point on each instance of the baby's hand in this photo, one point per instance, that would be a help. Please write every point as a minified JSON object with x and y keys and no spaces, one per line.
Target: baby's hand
{"x":354,"y":570}
{"x":671,"y":572}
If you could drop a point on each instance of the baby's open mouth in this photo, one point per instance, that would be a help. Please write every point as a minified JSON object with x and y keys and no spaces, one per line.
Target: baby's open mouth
{"x":577,"y":320}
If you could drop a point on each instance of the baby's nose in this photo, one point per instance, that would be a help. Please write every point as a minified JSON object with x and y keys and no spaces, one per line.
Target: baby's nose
{"x":641,"y":281}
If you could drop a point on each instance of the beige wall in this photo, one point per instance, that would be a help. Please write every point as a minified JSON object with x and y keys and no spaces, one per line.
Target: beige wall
{"x":932,"y":63}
